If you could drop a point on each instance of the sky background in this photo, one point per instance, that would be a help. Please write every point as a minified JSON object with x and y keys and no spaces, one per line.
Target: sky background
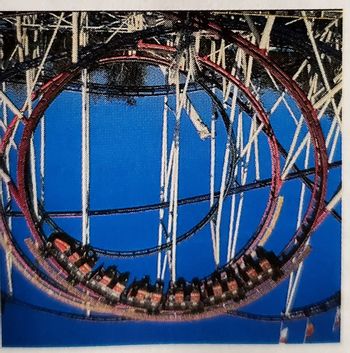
{"x":125,"y":167}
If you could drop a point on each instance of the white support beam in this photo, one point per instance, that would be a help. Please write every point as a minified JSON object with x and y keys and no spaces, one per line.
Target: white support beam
{"x":19,"y":38}
{"x":294,"y":289}
{"x":238,"y":59}
{"x":180,"y":102}
{"x":10,"y":104}
{"x":168,"y":254}
{"x":29,"y":85}
{"x":334,"y":201}
{"x":290,"y":285}
{"x":329,"y":95}
{"x":116,"y":31}
{"x":256,"y":151}
{"x":175,"y":182}
{"x":294,"y":141}
{"x":265,"y":37}
{"x":289,"y":160}
{"x":212,"y":176}
{"x":196,"y":120}
{"x":239,"y":146}
{"x":224,"y":176}
{"x":321,"y":35}
{"x":251,"y":140}
{"x":290,"y":165}
{"x":295,"y":76}
{"x":252,"y":27}
{"x":283,"y":98}
{"x":294,"y":281}
{"x":9,"y":265}
{"x":334,"y":145}
{"x":301,"y":146}
{"x":303,"y":186}
{"x":249,"y":68}
{"x":43,"y":61}
{"x":230,"y":231}
{"x":319,"y":61}
{"x":75,"y":37}
{"x":85,"y":160}
{"x":85,"y":132}
{"x":5,"y":176}
{"x":47,"y":51}
{"x":164,"y":158}
{"x":221,"y":60}
{"x":330,"y":132}
{"x":213,"y":51}
{"x":244,"y":174}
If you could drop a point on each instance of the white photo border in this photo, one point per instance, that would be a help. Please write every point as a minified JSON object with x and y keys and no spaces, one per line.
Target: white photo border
{"x":344,"y":346}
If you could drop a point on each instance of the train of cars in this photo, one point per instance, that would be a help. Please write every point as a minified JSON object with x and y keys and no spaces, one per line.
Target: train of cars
{"x":229,"y":282}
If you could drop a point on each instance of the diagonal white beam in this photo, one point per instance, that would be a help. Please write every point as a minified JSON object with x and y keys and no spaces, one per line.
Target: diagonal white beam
{"x":330,"y":94}
{"x":294,"y":281}
{"x":28,"y":73}
{"x":224,"y":175}
{"x":212,"y":176}
{"x":334,"y":145}
{"x":265,"y":37}
{"x":319,"y":61}
{"x":10,"y":104}
{"x":334,"y":201}
{"x":196,"y":120}
{"x":162,"y":180}
{"x":9,"y":265}
{"x":179,"y":107}
{"x":252,"y":27}
{"x":232,"y":243}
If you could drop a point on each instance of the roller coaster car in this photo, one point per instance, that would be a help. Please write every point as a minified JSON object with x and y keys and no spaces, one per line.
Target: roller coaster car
{"x":119,"y":287}
{"x":269,"y":262}
{"x":232,"y":286}
{"x":209,"y":291}
{"x":101,"y":280}
{"x":266,"y":265}
{"x":62,"y":242}
{"x":95,"y":276}
{"x":217,"y":289}
{"x":203,"y":292}
{"x":248,"y":273}
{"x":142,"y":294}
{"x":157,"y":294}
{"x":225,"y":279}
{"x":88,"y":260}
{"x":176,"y":294}
{"x":84,"y":258}
{"x":252,"y":260}
{"x":132,"y":291}
{"x":240,"y":276}
{"x":180,"y":287}
{"x":195,"y":294}
{"x":108,"y":276}
{"x":179,"y":296}
{"x":143,"y":290}
{"x":139,"y":290}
